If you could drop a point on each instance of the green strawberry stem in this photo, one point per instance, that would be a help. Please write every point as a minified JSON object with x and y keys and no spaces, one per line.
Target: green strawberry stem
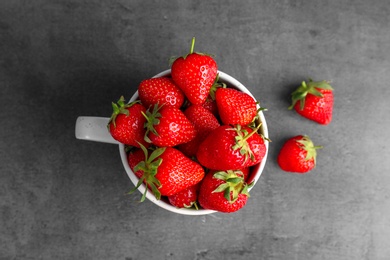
{"x":192,"y":45}
{"x":308,"y":88}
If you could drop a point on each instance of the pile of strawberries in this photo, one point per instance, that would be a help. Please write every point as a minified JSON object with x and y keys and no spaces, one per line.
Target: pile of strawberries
{"x":193,"y":140}
{"x":190,"y":138}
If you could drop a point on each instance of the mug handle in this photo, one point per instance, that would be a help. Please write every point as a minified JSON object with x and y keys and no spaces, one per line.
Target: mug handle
{"x":92,"y":128}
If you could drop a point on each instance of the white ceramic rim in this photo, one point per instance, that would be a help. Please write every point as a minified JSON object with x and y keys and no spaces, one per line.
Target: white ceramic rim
{"x":258,"y":169}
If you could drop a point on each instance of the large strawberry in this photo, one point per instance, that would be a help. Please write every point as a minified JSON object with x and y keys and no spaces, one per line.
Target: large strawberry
{"x":195,"y":74}
{"x":235,"y":107}
{"x":298,"y":154}
{"x":168,"y":126}
{"x":228,"y":147}
{"x":314,"y":100}
{"x":160,"y":91}
{"x":166,"y":171}
{"x":224,"y":191}
{"x":204,"y":122}
{"x":126,"y":124}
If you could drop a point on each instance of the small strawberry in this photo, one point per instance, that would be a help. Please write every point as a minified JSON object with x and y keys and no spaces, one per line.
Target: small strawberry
{"x":210,"y":102}
{"x":227,"y":148}
{"x":235,"y":107}
{"x":166,"y":171}
{"x":186,"y":198}
{"x":204,"y":122}
{"x":126,"y":124}
{"x":195,"y":74}
{"x":298,"y":154}
{"x":134,"y":157}
{"x":211,"y":105}
{"x":314,"y":100}
{"x":162,"y":91}
{"x":224,"y":191}
{"x":168,"y":126}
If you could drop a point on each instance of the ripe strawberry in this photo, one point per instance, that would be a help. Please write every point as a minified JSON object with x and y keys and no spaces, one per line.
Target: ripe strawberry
{"x":204,"y":122}
{"x":223,"y":191}
{"x":160,"y":91}
{"x":186,"y":198}
{"x":211,"y":105}
{"x":195,"y":74}
{"x":298,"y":154}
{"x":246,"y":171}
{"x":166,"y":171}
{"x":210,"y":102}
{"x":235,"y":107}
{"x":227,"y":148}
{"x":314,"y":101}
{"x":168,"y":126}
{"x":126,"y":124}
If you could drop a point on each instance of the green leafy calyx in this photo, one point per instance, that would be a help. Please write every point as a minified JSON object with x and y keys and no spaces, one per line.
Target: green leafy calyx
{"x":149,"y":169}
{"x":233,"y":184}
{"x":120,"y":107}
{"x":241,"y":141}
{"x":308,"y":145}
{"x":152,"y":119}
{"x":308,"y":88}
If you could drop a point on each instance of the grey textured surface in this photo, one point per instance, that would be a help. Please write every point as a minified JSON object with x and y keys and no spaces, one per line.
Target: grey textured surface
{"x":62,"y":198}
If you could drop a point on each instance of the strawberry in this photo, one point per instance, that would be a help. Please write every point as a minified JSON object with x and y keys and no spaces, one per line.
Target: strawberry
{"x":211,"y":105}
{"x":235,"y":107}
{"x":227,"y":148}
{"x":246,"y":171}
{"x":168,"y":126}
{"x":195,"y":74}
{"x":298,"y":154}
{"x":160,"y":91}
{"x":224,"y":191}
{"x":314,"y":101}
{"x":134,"y":157}
{"x":186,"y":198}
{"x":126,"y":124}
{"x":210,"y":102}
{"x":204,"y":122}
{"x":166,"y":171}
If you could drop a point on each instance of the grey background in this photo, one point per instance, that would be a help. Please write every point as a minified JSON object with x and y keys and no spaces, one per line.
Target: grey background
{"x":63,"y":198}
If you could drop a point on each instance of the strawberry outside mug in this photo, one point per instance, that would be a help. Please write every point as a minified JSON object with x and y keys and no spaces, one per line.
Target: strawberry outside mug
{"x":92,"y":128}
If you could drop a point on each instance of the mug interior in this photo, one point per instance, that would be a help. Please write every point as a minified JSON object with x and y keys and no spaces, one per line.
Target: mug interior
{"x":255,"y":172}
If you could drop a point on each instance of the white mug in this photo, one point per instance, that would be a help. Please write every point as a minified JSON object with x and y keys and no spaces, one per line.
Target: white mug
{"x":95,"y":129}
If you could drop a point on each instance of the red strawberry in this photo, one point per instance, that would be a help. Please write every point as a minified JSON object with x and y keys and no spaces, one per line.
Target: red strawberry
{"x":314,"y":101}
{"x":134,"y":157}
{"x":160,"y":91}
{"x":211,"y":105}
{"x":227,"y":148}
{"x":166,"y":171}
{"x":126,"y":124}
{"x":235,"y":107}
{"x":168,"y":126}
{"x":298,"y":154}
{"x":195,"y":74}
{"x":210,"y":102}
{"x":186,"y":198}
{"x":223,"y":191}
{"x":204,"y":122}
{"x":245,"y":171}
